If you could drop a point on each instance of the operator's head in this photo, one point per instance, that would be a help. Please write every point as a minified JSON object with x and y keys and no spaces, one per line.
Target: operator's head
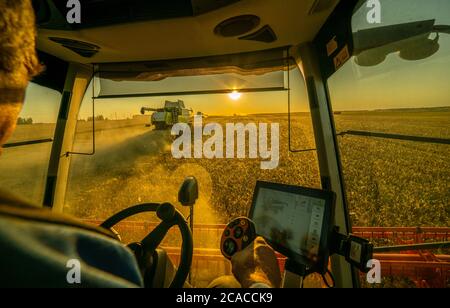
{"x":18,"y":60}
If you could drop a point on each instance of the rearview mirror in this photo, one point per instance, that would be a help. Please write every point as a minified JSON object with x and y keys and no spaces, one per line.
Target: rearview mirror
{"x":188,"y":193}
{"x":409,"y":28}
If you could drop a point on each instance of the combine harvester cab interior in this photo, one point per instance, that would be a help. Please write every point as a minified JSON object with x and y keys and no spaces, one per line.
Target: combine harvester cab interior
{"x":329,"y":116}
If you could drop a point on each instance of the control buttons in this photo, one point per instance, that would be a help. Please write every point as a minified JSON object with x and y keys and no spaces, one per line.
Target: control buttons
{"x":238,"y":232}
{"x":230,"y":247}
{"x":313,"y":241}
{"x":227,"y":233}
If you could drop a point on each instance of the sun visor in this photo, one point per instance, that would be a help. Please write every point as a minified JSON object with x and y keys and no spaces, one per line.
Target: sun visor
{"x":248,"y":72}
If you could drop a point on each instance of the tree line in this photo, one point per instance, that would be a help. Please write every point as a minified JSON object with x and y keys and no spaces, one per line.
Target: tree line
{"x":24,"y":121}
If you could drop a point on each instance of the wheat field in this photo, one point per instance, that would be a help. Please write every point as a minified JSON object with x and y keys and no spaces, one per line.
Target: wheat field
{"x":388,"y":182}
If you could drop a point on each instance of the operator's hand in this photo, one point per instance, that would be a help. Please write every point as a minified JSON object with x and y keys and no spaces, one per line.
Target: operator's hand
{"x":257,"y":264}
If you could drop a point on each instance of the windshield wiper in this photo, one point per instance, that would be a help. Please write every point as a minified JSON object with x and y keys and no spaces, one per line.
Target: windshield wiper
{"x":25,"y":143}
{"x":395,"y":136}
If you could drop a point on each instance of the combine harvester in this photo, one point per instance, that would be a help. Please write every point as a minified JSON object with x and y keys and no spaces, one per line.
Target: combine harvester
{"x":171,"y":114}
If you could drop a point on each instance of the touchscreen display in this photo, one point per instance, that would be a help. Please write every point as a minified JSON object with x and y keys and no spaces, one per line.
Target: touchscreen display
{"x":290,"y":220}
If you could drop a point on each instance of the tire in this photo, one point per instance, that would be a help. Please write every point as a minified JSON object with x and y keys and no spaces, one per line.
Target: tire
{"x":160,"y":126}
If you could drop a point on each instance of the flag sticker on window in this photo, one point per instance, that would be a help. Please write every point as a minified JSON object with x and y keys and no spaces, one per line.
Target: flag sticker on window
{"x":341,"y":57}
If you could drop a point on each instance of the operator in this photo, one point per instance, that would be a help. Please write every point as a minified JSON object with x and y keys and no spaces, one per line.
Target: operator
{"x":39,"y":247}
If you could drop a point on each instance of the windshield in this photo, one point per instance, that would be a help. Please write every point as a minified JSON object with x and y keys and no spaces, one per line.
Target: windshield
{"x":135,"y":161}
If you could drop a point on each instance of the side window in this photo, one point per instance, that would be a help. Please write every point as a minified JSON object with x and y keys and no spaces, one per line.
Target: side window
{"x":25,"y":157}
{"x":392,"y":116}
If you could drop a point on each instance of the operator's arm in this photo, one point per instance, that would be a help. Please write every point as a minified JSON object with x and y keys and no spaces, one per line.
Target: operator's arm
{"x":257,"y":266}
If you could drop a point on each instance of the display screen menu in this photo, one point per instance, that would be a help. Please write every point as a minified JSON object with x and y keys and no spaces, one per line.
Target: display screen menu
{"x":290,"y":220}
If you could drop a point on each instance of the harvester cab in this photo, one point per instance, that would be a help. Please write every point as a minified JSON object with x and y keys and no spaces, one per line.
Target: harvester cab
{"x":324,"y":128}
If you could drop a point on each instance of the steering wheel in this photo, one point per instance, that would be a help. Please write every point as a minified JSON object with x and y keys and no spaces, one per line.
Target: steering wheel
{"x":145,"y":250}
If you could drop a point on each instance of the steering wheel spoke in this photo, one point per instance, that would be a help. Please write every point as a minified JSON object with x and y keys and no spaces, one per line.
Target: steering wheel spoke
{"x":155,"y":238}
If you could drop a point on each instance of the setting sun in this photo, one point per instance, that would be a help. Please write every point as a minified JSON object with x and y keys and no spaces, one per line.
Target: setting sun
{"x":235,"y":95}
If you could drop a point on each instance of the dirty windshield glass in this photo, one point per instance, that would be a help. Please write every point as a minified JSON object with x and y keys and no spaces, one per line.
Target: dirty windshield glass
{"x":243,"y":139}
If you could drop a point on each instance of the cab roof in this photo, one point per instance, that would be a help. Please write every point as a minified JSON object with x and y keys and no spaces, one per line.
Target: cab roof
{"x":187,"y":29}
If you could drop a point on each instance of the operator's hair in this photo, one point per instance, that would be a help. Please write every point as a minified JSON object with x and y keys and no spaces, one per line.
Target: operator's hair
{"x":18,"y":59}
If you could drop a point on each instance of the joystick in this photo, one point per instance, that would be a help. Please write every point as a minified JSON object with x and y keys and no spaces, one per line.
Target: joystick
{"x":239,"y":234}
